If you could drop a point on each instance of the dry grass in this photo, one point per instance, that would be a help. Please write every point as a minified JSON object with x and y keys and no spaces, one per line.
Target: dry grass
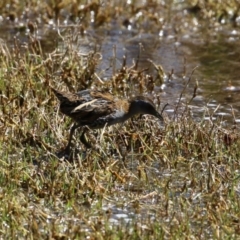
{"x":177,"y":180}
{"x":141,"y":181}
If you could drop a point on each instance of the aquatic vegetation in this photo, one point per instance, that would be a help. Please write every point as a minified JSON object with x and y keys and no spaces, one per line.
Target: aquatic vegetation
{"x":142,"y":179}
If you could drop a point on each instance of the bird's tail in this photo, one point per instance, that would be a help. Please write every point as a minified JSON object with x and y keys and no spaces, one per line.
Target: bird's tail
{"x":60,"y":95}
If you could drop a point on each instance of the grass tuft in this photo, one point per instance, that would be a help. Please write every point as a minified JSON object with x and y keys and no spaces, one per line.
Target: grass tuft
{"x":142,"y":180}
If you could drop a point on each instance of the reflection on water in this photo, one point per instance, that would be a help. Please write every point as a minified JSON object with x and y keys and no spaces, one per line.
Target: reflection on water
{"x":217,"y":59}
{"x":218,"y":74}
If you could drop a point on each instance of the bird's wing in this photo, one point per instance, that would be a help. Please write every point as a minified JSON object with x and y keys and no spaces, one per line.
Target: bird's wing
{"x":92,"y":106}
{"x":84,"y":106}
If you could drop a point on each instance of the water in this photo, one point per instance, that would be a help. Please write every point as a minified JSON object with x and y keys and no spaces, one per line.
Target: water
{"x":179,"y":45}
{"x":213,"y":52}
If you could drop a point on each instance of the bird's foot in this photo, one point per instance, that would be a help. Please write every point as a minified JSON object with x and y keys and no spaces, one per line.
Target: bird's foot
{"x":65,"y":153}
{"x":84,"y":141}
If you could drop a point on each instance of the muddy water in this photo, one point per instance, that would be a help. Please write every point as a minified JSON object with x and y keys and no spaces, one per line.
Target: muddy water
{"x":215,"y":54}
{"x":218,"y":73}
{"x":216,"y":59}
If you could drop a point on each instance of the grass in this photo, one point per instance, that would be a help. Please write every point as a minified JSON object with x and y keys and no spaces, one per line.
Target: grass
{"x":142,"y":180}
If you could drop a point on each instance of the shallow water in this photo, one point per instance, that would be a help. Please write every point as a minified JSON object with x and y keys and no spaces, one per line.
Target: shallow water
{"x":216,"y":60}
{"x":179,"y":48}
{"x":214,"y":53}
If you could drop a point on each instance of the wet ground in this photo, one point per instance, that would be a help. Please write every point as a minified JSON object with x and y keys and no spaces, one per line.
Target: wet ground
{"x":182,"y":44}
{"x":178,"y":45}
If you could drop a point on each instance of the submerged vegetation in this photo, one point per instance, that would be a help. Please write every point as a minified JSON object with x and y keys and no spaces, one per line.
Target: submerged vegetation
{"x":141,"y":180}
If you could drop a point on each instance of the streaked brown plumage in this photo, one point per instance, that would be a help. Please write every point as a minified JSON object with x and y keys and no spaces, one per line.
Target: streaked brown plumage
{"x":96,"y":109}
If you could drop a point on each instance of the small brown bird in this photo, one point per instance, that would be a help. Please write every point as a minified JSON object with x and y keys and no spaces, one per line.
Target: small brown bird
{"x":96,"y":109}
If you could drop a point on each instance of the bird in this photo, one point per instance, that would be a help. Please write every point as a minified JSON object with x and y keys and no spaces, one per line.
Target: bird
{"x":93,"y":109}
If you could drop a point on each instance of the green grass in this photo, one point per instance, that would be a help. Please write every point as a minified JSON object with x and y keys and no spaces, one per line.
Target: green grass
{"x":174,"y":181}
{"x":141,"y":180}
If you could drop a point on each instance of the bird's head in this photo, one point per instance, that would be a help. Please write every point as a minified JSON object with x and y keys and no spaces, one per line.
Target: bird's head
{"x":143,"y":105}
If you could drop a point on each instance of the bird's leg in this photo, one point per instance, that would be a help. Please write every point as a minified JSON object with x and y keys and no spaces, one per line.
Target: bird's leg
{"x":73,"y":128}
{"x":83,"y":139}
